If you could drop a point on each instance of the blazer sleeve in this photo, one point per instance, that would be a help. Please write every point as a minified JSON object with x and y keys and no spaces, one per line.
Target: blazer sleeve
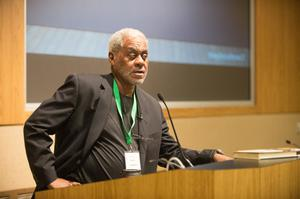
{"x":170,"y":148}
{"x":49,"y":117}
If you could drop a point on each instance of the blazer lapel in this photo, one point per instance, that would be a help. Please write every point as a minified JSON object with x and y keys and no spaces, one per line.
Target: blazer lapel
{"x":142,"y":122}
{"x":103,"y":106}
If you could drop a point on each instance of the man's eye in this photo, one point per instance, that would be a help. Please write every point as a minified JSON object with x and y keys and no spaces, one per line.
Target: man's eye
{"x":144,"y":56}
{"x":132,"y":55}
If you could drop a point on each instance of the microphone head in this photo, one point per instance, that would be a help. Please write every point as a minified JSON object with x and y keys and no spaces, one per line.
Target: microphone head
{"x":160,"y":97}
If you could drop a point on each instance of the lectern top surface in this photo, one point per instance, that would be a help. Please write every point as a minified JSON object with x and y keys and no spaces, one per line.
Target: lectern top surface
{"x":243,"y":163}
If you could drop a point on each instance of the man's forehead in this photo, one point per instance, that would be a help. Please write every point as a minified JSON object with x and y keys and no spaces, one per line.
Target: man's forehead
{"x":135,"y":38}
{"x":135,"y":43}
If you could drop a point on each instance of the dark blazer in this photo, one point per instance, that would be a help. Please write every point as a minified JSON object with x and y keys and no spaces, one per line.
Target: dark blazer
{"x":76,"y":114}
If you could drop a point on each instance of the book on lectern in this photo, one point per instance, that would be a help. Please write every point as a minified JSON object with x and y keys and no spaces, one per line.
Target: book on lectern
{"x":261,"y":154}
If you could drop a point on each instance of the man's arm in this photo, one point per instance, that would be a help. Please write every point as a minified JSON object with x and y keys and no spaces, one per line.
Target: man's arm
{"x":46,"y":120}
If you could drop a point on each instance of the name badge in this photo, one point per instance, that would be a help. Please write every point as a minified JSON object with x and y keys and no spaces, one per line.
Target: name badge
{"x":132,"y":160}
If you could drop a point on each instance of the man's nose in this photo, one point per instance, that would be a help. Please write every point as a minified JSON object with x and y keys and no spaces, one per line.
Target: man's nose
{"x":139,"y":61}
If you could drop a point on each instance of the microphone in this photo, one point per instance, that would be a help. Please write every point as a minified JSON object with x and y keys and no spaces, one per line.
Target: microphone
{"x":139,"y":116}
{"x":161,"y":98}
{"x":291,"y":143}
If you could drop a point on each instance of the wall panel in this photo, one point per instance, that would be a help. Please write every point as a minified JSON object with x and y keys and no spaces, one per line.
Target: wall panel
{"x":277,"y":56}
{"x":11,"y":61}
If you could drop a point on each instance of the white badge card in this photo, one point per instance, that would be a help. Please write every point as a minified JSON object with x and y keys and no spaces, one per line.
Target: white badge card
{"x":132,"y":160}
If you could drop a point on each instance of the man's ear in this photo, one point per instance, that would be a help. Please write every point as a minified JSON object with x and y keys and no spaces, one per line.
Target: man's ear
{"x":110,"y":56}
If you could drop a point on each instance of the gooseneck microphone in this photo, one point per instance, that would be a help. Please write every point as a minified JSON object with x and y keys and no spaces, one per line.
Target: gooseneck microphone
{"x":161,"y":98}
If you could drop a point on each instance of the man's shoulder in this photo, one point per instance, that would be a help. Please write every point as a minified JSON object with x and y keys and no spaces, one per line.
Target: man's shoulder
{"x":146,"y":96}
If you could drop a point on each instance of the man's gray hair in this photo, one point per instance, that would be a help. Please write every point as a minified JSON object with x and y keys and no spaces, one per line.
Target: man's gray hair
{"x":116,"y":40}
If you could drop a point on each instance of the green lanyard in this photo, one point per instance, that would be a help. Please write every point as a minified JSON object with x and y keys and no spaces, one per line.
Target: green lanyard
{"x":128,"y":133}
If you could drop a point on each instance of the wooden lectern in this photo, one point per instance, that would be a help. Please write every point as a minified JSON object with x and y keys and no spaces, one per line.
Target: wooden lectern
{"x":236,"y":179}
